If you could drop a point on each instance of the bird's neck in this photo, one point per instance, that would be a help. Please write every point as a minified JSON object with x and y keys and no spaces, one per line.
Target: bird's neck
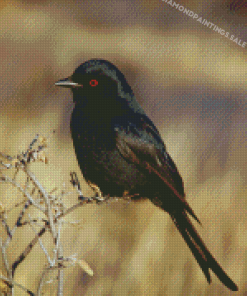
{"x":103,"y":108}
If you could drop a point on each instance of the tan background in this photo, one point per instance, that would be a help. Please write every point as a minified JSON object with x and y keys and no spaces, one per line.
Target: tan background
{"x":192,"y":83}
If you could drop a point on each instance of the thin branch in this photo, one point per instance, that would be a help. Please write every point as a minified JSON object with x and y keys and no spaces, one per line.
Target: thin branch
{"x":24,"y":192}
{"x":51,"y":262}
{"x":12,"y":282}
{"x":46,"y":197}
{"x":28,"y":249}
{"x":5,"y":259}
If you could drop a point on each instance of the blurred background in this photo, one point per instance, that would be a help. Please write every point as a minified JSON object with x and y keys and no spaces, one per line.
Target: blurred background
{"x":190,"y":80}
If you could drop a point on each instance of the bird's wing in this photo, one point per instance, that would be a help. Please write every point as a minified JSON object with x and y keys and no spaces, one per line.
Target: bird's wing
{"x":139,"y":142}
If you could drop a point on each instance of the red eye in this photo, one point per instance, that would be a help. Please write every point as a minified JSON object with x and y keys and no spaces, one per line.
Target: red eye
{"x":93,"y":82}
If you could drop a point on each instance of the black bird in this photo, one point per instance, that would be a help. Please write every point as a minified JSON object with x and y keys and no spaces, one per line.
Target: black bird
{"x":120,"y":152}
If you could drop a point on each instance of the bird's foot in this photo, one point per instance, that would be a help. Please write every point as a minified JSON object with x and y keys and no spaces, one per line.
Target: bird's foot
{"x":96,"y":189}
{"x":128,"y":196}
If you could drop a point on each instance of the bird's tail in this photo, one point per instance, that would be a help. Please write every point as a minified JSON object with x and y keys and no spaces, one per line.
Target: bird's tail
{"x":204,"y":258}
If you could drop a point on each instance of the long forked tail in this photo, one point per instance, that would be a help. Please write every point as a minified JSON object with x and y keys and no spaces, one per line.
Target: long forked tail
{"x":204,"y":258}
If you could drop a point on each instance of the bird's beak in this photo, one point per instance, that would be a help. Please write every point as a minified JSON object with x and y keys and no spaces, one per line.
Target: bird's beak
{"x":66,"y":83}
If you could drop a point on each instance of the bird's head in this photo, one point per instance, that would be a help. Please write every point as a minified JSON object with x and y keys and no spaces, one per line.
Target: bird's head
{"x":96,"y":80}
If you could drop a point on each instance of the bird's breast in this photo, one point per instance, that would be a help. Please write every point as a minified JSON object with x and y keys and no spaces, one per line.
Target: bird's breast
{"x":101,"y":163}
{"x":92,"y":131}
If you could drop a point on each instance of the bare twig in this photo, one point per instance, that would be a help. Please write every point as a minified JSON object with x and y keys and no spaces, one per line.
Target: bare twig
{"x":28,"y":249}
{"x":12,"y":282}
{"x":50,"y":205}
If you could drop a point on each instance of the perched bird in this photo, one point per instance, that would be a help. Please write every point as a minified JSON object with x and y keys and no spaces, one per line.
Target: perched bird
{"x":121,"y":153}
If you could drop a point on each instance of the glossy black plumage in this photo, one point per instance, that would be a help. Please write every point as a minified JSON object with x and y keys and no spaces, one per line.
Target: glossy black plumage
{"x":120,"y":150}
